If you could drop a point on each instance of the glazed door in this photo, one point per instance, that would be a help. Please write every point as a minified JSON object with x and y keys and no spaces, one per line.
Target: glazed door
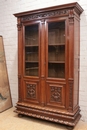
{"x":45,"y":63}
{"x":32,"y":50}
{"x":31,"y":62}
{"x":55,"y":63}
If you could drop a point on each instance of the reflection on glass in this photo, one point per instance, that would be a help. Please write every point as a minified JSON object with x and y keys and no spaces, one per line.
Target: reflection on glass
{"x":31,"y":50}
{"x":56,"y":49}
{"x":56,"y":53}
{"x":31,"y":35}
{"x":56,"y":70}
{"x":31,"y":69}
{"x":31,"y":54}
{"x":56,"y":33}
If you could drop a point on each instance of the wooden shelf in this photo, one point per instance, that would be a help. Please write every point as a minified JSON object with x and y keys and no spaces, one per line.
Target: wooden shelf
{"x":31,"y":61}
{"x":59,"y":44}
{"x":31,"y":68}
{"x":56,"y":62}
{"x":31,"y":45}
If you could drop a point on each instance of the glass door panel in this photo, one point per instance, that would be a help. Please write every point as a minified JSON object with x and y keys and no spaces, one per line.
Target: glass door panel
{"x":56,"y":49}
{"x":31,"y":50}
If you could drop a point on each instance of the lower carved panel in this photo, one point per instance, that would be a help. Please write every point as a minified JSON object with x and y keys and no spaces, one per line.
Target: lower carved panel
{"x":56,"y":94}
{"x":31,"y":90}
{"x":70,"y":94}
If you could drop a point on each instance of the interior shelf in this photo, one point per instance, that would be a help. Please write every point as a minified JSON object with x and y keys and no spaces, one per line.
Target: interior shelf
{"x":56,"y":61}
{"x":32,"y":68}
{"x":31,"y":45}
{"x":57,"y":44}
{"x":31,"y":61}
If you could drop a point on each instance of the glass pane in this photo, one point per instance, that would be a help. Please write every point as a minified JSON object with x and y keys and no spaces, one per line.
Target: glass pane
{"x":56,"y":53}
{"x":56,"y":70}
{"x":31,"y":35}
{"x":56,"y":49}
{"x":31,"y":50}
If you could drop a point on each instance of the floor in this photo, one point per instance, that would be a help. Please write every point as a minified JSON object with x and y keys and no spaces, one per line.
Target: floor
{"x":9,"y":120}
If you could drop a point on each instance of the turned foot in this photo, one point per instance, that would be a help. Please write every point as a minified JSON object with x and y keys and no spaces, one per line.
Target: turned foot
{"x":70,"y":127}
{"x":20,"y":115}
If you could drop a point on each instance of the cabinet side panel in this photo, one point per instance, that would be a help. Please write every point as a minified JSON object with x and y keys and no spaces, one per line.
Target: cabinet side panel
{"x":76,"y":61}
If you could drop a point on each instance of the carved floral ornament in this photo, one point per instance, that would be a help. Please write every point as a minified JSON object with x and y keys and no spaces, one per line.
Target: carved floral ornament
{"x":31,"y":90}
{"x":19,"y":25}
{"x":48,"y":14}
{"x":56,"y":93}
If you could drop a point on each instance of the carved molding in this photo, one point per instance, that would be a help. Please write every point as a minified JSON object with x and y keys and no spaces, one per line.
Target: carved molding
{"x":44,"y":15}
{"x":45,"y":112}
{"x":56,"y":93}
{"x":49,"y":118}
{"x":45,"y":108}
{"x":51,"y":113}
{"x":31,"y":90}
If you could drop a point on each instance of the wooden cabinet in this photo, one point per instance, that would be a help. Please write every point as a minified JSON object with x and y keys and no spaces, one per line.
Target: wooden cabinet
{"x":48,"y":63}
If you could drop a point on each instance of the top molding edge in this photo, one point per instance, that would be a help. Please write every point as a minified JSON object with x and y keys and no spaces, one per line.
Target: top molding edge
{"x":58,"y":7}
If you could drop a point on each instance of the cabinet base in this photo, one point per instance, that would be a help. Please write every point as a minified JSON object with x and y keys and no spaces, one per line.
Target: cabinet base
{"x":66,"y":119}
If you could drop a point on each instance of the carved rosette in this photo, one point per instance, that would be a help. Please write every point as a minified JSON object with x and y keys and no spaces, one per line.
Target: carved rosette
{"x":31,"y":90}
{"x":56,"y":93}
{"x":45,"y":15}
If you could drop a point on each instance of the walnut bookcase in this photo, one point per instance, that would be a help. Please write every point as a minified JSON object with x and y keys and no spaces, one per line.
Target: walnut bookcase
{"x":48,"y":63}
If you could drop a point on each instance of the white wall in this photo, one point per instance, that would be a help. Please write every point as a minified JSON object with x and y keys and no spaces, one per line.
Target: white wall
{"x":8,"y":30}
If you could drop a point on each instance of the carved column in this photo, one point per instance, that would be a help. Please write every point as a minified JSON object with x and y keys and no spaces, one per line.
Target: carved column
{"x":42,"y":62}
{"x":19,"y":26}
{"x":71,"y":59}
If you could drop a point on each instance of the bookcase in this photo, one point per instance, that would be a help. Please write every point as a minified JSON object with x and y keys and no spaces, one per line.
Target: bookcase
{"x":48,"y":63}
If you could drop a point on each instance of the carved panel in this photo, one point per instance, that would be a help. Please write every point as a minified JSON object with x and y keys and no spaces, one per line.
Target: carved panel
{"x":45,"y":14}
{"x":31,"y":90}
{"x":71,"y":20}
{"x":71,"y":13}
{"x":56,"y":93}
{"x":19,"y":86}
{"x":19,"y":25}
{"x":70,"y":93}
